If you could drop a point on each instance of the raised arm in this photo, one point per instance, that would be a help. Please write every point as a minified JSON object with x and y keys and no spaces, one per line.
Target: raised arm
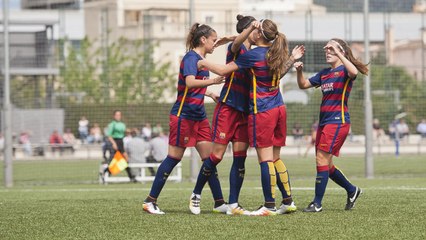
{"x":243,"y":36}
{"x":352,"y":70}
{"x":219,"y":69}
{"x":191,"y":82}
{"x":296,"y":54}
{"x":301,"y":80}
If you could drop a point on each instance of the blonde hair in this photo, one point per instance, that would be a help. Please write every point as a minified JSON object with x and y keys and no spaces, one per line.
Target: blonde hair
{"x":278,"y":52}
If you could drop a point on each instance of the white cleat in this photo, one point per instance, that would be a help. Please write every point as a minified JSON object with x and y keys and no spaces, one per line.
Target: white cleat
{"x":221,"y":209}
{"x":194,"y":203}
{"x":264,"y":211}
{"x":283,"y":209}
{"x":152,"y":208}
{"x":236,"y":209}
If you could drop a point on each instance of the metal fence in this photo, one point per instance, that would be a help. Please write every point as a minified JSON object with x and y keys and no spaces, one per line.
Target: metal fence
{"x":129,"y":60}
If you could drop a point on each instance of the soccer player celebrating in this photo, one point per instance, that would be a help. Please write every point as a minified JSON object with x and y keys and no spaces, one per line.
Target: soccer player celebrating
{"x":334,"y":122}
{"x":189,"y":126}
{"x":229,"y":124}
{"x":266,"y":65}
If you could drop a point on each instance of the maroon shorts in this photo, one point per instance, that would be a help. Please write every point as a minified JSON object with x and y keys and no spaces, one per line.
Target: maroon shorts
{"x":268,"y":128}
{"x":229,"y":125}
{"x":330,"y":137}
{"x":186,"y":133}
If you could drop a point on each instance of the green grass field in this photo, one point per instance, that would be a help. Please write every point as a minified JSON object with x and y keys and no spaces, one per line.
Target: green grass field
{"x":62,"y":200}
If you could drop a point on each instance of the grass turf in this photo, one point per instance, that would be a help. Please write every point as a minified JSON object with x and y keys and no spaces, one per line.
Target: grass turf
{"x":61,"y":200}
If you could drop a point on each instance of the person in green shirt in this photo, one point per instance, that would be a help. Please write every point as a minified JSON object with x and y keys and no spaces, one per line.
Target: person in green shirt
{"x":115,"y":133}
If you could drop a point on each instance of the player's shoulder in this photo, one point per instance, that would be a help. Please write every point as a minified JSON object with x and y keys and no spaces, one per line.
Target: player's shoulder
{"x":191,"y":54}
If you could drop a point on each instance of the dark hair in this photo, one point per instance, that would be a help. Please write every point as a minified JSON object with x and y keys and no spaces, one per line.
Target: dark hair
{"x":115,"y":111}
{"x":349,"y":55}
{"x":243,"y":22}
{"x":197,"y":31}
{"x":278,"y":52}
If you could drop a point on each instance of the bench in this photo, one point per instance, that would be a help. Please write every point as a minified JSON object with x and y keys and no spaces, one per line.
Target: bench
{"x":143,"y":176}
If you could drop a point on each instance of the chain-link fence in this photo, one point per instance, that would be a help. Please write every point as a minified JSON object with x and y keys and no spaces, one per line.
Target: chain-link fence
{"x":73,"y":63}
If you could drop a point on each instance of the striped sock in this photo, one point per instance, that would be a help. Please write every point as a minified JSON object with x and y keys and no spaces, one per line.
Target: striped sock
{"x":321,"y":183}
{"x":283,"y":179}
{"x":236,"y":176}
{"x":268,"y":182}
{"x":207,"y":169}
{"x":338,"y":177}
{"x":214,"y":184}
{"x":163,"y":172}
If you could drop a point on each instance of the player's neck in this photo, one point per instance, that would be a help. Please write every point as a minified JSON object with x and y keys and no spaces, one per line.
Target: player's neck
{"x":200,"y":51}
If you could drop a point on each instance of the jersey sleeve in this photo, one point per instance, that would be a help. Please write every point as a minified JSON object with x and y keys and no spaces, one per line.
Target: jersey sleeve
{"x":246,"y":60}
{"x":316,"y":79}
{"x":190,"y":66}
{"x":347,"y":75}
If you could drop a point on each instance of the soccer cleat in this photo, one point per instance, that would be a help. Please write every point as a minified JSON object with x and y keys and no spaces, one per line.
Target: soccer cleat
{"x":350,"y":202}
{"x":264,"y":211}
{"x":221,"y":209}
{"x":194,"y":203}
{"x":283,"y":209}
{"x":313,"y":207}
{"x":152,"y":208}
{"x":236,"y":209}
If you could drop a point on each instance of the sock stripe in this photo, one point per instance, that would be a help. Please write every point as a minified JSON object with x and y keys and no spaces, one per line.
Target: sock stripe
{"x":240,"y":154}
{"x":322,"y":168}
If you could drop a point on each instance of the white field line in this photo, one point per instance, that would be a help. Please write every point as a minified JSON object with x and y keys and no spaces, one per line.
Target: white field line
{"x":189,"y":189}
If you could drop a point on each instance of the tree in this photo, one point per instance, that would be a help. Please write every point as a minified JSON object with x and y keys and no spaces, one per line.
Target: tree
{"x":127,"y":75}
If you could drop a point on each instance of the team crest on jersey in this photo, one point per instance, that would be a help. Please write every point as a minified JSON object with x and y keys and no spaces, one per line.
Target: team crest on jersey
{"x":186,"y":140}
{"x":327,"y":87}
{"x":222,"y":135}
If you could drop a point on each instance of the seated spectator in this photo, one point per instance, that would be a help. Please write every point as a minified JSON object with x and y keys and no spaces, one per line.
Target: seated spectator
{"x":69,"y":139}
{"x":146,"y":132}
{"x":24,"y":140}
{"x":297,"y":132}
{"x":56,"y":141}
{"x":403,"y":129}
{"x":95,"y":135}
{"x":158,"y":149}
{"x":421,"y":128}
{"x":83,"y":128}
{"x":158,"y":130}
{"x":136,"y":148}
{"x":378,"y":131}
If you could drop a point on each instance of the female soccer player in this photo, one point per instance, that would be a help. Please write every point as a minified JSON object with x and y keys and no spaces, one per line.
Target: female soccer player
{"x":334,"y":123}
{"x":188,"y":122}
{"x":266,"y":65}
{"x":229,"y":124}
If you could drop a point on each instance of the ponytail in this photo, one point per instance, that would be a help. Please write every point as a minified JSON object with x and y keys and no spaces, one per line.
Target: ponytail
{"x":362,"y":68}
{"x":243,"y":22}
{"x":195,"y":33}
{"x":278,"y":52}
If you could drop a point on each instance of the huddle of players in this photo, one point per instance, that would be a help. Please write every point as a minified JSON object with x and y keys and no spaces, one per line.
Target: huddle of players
{"x":250,"y":112}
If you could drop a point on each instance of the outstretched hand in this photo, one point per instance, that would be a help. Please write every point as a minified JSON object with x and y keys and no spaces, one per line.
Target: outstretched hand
{"x":298,"y":52}
{"x":219,"y":80}
{"x":223,"y":40}
{"x":298,"y":66}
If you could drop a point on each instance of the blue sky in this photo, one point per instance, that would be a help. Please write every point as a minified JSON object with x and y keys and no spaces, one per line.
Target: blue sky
{"x":14,"y":4}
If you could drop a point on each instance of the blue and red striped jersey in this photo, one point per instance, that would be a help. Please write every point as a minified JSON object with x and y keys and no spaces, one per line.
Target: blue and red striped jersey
{"x":335,"y":86}
{"x":235,"y":91}
{"x":264,"y":88}
{"x":190,"y":102}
